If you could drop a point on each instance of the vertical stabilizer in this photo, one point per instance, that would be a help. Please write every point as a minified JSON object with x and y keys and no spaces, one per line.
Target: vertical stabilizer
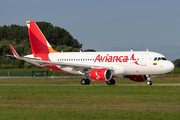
{"x":39,"y":44}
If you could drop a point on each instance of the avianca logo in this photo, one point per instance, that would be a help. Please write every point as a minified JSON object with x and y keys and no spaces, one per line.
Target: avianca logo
{"x":109,"y":58}
{"x":135,"y":61}
{"x":97,"y":76}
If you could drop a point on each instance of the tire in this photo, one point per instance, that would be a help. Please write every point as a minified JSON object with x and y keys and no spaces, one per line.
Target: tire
{"x":149,"y":83}
{"x":87,"y":81}
{"x":108,"y":82}
{"x":83,"y":81}
{"x":111,"y":82}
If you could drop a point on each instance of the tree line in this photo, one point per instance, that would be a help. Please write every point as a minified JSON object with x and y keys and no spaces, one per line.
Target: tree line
{"x":59,"y":38}
{"x":176,"y":63}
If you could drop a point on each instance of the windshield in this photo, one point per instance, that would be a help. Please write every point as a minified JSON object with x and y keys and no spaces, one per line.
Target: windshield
{"x":159,"y":58}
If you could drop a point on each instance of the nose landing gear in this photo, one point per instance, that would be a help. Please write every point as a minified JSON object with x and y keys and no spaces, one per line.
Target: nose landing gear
{"x":149,"y":82}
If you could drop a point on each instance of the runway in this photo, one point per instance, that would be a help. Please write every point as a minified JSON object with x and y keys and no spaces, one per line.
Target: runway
{"x":171,"y":84}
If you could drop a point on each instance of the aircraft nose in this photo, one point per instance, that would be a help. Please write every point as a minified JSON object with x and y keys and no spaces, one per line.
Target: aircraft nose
{"x":170,"y":66}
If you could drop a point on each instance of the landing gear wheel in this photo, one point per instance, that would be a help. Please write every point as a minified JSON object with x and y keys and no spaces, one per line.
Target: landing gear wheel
{"x":111,"y":82}
{"x":85,"y":81}
{"x":108,"y":82}
{"x":149,"y":82}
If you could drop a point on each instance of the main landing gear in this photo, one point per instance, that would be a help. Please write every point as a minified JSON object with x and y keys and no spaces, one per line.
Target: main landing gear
{"x":85,"y":81}
{"x":149,"y":82}
{"x":111,"y":82}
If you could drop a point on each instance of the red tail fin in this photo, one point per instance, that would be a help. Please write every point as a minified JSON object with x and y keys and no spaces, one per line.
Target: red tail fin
{"x":39,"y":44}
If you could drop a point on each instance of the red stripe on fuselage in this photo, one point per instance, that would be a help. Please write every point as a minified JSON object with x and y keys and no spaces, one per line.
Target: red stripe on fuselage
{"x":54,"y":67}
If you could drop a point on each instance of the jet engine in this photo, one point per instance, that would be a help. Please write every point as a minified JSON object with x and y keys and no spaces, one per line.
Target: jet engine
{"x":138,"y":78}
{"x":102,"y":75}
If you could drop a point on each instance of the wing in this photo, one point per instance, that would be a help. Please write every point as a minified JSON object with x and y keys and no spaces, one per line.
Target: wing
{"x":75,"y":66}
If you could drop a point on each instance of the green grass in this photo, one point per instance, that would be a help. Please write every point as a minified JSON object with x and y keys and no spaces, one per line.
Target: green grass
{"x":66,"y":99}
{"x":175,"y":71}
{"x":28,"y":72}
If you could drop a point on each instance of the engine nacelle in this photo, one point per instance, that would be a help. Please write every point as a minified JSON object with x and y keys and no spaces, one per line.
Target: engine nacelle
{"x":100,"y":74}
{"x":138,"y":78}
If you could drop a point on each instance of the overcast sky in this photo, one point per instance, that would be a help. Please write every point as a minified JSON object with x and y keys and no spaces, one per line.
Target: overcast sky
{"x":106,"y":25}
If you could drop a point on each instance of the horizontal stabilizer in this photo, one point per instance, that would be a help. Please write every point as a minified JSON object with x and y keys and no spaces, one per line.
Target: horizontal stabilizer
{"x":14,"y":51}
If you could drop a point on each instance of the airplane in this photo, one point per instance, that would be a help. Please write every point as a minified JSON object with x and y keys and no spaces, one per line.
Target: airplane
{"x":98,"y":66}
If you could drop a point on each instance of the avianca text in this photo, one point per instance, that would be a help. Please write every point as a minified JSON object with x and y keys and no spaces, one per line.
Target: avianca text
{"x":109,"y":58}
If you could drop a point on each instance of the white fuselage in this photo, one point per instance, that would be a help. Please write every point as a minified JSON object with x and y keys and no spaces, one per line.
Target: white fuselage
{"x":122,"y":63}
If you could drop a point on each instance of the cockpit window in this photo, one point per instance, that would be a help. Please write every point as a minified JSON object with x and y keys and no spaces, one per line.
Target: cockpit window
{"x":164,"y":58}
{"x":159,"y":58}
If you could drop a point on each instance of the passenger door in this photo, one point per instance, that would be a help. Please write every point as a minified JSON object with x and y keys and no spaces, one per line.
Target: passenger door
{"x":144,"y":59}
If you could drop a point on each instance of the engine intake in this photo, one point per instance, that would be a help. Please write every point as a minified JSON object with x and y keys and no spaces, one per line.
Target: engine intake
{"x":103,"y":74}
